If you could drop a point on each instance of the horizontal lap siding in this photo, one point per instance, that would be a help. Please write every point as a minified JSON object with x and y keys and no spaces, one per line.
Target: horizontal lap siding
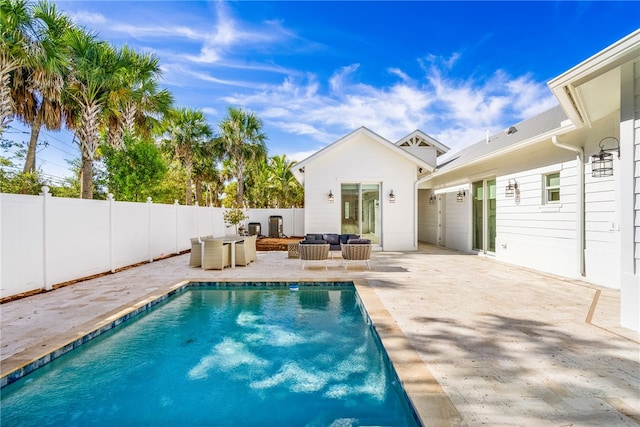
{"x":537,"y":235}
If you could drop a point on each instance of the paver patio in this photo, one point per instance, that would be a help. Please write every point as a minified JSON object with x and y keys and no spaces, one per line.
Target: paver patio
{"x":508,"y":346}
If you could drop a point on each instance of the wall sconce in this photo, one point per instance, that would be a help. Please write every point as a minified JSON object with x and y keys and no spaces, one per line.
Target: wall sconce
{"x":512,"y":188}
{"x":432,"y":199}
{"x":392,"y":197}
{"x":602,"y":163}
{"x":330,"y":197}
{"x":461,"y":195}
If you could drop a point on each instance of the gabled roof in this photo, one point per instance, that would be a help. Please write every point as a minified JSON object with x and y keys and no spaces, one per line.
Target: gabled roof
{"x":417,"y":139}
{"x":299,"y":167}
{"x":512,"y":137}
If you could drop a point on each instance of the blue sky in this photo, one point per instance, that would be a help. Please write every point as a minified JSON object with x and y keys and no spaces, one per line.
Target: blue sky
{"x":315,"y":71}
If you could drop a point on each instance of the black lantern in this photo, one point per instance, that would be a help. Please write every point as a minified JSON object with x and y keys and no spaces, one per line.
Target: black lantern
{"x":511,"y":189}
{"x":460,"y":196}
{"x":602,"y":163}
{"x":330,"y":197}
{"x":392,"y":197}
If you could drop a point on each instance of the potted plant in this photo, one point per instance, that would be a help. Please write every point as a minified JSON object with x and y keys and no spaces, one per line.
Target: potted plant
{"x":235,"y":216}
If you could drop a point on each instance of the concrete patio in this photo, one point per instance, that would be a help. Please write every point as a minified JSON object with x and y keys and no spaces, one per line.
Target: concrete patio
{"x":475,"y":341}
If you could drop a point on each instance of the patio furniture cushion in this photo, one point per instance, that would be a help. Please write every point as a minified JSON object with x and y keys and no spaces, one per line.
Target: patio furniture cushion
{"x":313,"y":237}
{"x":331,"y":238}
{"x":359,"y":241}
{"x":313,"y":242}
{"x":344,"y":238}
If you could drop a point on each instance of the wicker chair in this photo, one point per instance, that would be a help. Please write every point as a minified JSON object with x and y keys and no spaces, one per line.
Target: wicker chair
{"x":196,"y":253}
{"x":216,"y":255}
{"x":246,"y":251}
{"x":356,"y":252}
{"x":314,"y":252}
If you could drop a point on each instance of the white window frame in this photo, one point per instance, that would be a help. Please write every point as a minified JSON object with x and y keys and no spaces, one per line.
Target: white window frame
{"x":548,"y":189}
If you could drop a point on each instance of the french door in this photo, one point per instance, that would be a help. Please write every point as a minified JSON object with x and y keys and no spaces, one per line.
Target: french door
{"x":360,"y":211}
{"x":484,"y":215}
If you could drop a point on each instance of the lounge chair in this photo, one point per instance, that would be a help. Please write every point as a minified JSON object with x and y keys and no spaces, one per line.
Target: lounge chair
{"x":356,"y":250}
{"x":216,"y":255}
{"x":314,"y":252}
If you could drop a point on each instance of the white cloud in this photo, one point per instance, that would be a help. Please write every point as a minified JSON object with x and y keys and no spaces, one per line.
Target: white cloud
{"x":455,"y":111}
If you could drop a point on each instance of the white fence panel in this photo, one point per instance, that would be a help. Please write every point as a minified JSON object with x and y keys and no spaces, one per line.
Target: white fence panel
{"x":21,"y":240}
{"x":77,"y":239}
{"x":130,"y":233}
{"x":163,"y":230}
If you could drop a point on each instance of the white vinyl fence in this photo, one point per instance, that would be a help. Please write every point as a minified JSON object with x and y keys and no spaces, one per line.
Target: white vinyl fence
{"x":47,"y":240}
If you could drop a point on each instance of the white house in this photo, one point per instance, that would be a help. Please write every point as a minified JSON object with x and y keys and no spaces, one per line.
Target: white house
{"x":364,"y":184}
{"x":531,"y":195}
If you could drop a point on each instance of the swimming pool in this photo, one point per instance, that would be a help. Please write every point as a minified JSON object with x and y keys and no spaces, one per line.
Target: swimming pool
{"x":223,"y":355}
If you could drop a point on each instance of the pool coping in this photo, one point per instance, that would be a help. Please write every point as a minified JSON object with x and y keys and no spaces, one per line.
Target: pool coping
{"x":430,"y":403}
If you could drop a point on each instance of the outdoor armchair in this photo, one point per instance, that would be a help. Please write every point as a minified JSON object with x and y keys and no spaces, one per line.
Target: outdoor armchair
{"x":196,"y":253}
{"x":246,"y":251}
{"x":356,"y":250}
{"x":216,"y":255}
{"x":314,"y":252}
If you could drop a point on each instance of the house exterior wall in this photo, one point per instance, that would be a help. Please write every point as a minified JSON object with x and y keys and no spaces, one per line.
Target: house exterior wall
{"x":529,"y":232}
{"x":630,"y":196}
{"x":361,"y":160}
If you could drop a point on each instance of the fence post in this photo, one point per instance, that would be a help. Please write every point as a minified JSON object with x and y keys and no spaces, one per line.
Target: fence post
{"x":111,"y":233}
{"x":176,"y":206}
{"x":46,"y":196}
{"x":149,"y":206}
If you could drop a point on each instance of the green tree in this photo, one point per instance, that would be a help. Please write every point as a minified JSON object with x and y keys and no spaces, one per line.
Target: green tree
{"x":94,"y":66}
{"x":243,"y":142}
{"x":287,"y":190}
{"x":38,"y":85}
{"x":16,"y":44}
{"x":187,"y":131}
{"x":134,"y":171}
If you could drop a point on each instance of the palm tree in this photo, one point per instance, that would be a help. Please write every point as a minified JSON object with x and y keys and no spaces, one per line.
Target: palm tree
{"x":137,"y":105}
{"x":286,"y":188}
{"x":16,"y":47}
{"x":187,"y":131}
{"x":244,"y":142}
{"x":93,"y":73}
{"x":41,"y":103}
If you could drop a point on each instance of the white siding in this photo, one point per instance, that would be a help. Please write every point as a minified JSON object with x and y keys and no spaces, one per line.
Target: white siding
{"x":428,"y":218}
{"x":537,"y":235}
{"x":458,"y":223}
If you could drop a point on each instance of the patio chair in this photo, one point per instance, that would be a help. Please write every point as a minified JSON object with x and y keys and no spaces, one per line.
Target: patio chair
{"x":216,"y":255}
{"x":314,"y":252}
{"x":196,"y":253}
{"x":246,"y":251}
{"x":356,"y":250}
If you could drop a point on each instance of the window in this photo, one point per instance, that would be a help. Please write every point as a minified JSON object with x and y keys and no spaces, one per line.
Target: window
{"x":552,"y":187}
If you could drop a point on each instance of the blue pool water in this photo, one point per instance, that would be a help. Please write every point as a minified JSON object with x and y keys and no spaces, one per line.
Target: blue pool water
{"x":227,"y":356}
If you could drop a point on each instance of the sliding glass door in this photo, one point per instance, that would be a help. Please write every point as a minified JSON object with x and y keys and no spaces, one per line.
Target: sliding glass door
{"x":484,"y":215}
{"x":360,"y":211}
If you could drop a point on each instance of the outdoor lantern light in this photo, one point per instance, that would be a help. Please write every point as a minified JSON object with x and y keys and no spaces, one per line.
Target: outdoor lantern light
{"x":392,"y":197}
{"x":460,"y":196}
{"x":512,"y":188}
{"x":330,"y":197}
{"x":432,"y":199}
{"x":602,"y":163}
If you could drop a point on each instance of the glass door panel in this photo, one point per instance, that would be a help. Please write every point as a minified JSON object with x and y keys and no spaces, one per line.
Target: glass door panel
{"x":350,"y":208}
{"x":370,"y":225}
{"x":491,"y":215}
{"x":478,"y":215}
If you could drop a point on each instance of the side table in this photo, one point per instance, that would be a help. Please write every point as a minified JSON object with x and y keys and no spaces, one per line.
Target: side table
{"x":293,"y":249}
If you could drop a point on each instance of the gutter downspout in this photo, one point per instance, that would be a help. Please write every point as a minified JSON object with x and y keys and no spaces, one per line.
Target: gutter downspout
{"x":580,"y":201}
